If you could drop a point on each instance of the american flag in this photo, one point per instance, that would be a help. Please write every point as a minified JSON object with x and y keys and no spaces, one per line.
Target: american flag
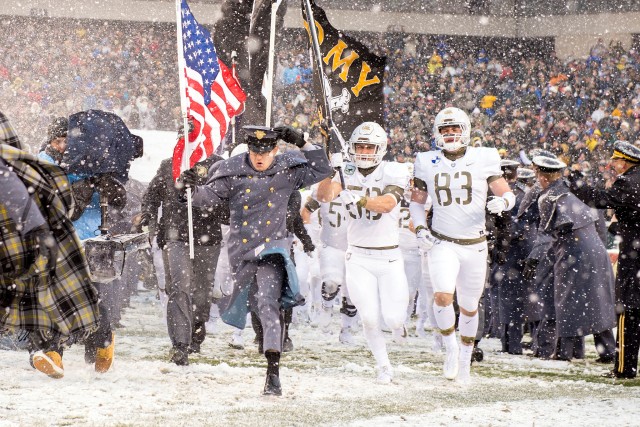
{"x":213,"y":93}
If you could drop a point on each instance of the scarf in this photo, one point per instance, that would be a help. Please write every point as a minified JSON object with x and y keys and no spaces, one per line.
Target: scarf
{"x":62,"y":302}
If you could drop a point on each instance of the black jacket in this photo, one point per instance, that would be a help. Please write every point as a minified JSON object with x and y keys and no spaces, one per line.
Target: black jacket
{"x":173,"y":225}
{"x":624,"y":198}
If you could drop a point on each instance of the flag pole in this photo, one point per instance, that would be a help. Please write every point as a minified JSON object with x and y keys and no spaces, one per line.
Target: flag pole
{"x":272,"y":42}
{"x":185,"y":120}
{"x":234,"y":54}
{"x":317,"y":56}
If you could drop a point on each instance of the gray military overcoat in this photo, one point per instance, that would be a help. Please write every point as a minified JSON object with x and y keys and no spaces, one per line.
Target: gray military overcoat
{"x":258,"y":211}
{"x":583,"y":277}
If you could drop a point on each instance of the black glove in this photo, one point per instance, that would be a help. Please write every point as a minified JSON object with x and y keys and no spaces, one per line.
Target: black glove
{"x":530,"y":266}
{"x":188,"y":179}
{"x":500,"y":257}
{"x":45,"y":244}
{"x":290,"y":135}
{"x":307,"y":246}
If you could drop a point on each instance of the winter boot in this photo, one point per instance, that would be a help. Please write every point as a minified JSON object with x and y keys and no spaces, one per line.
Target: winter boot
{"x":104,"y":356}
{"x":49,"y":363}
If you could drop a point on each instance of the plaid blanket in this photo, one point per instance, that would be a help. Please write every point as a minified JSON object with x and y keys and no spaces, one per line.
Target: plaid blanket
{"x":63,"y":302}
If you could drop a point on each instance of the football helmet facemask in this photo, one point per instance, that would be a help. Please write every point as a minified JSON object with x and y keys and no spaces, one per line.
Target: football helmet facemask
{"x":452,"y":116}
{"x":369,"y":133}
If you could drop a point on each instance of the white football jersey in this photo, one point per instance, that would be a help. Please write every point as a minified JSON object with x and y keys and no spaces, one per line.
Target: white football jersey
{"x":408,"y":239}
{"x":458,"y":189}
{"x":333,"y":223}
{"x":371,"y":229}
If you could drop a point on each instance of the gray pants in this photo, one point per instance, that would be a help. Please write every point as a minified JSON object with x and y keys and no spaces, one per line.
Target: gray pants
{"x":189,"y":284}
{"x":269,"y":278}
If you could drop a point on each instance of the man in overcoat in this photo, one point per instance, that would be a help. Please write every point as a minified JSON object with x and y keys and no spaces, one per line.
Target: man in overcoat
{"x":257,"y":186}
{"x":583,"y":277}
{"x":624,"y":198}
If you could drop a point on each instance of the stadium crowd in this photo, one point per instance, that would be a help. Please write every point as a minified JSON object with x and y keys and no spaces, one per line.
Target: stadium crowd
{"x":575,"y":108}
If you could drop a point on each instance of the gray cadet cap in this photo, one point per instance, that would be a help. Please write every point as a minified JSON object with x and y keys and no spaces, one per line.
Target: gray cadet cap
{"x":524,"y":173}
{"x":548,"y":165}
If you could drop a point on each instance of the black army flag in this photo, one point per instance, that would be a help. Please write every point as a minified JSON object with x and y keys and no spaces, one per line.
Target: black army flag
{"x":353,"y":76}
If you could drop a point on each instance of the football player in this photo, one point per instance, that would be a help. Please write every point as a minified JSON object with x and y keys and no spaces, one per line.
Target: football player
{"x":457,"y":177}
{"x":374,"y":266}
{"x":331,"y":256}
{"x":412,"y":260}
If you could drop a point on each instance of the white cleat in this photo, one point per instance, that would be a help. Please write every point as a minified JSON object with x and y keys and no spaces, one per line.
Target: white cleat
{"x":385,"y":375}
{"x":237,"y":341}
{"x":464,"y":373}
{"x":324,"y":319}
{"x":346,"y":337}
{"x":451,"y":364}
{"x":399,"y":336}
{"x":420,"y":328}
{"x":421,"y":333}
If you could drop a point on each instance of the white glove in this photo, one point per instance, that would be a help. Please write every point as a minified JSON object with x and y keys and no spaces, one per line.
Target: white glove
{"x":348,"y":197}
{"x":426,"y":239}
{"x":336,"y":160}
{"x":350,"y":201}
{"x":496,"y":205}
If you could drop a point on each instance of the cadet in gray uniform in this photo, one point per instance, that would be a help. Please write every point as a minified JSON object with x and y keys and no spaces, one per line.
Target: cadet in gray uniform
{"x":583,"y":277}
{"x":257,"y":186}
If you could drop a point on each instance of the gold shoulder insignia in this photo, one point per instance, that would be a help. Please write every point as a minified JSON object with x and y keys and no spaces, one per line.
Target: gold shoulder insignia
{"x":201,"y":171}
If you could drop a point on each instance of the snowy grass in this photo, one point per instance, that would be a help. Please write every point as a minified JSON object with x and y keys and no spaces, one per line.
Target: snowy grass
{"x":324,"y":383}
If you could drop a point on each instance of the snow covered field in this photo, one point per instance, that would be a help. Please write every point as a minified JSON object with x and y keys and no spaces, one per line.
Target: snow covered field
{"x":324,"y":383}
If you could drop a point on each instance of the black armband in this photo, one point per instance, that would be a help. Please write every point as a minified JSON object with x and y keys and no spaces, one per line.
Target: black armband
{"x":419,"y":184}
{"x":312,"y":205}
{"x":395,"y":190}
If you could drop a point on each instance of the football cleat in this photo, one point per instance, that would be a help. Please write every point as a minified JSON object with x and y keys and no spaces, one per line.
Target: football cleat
{"x":385,"y":375}
{"x":346,"y":337}
{"x":451,"y":364}
{"x":49,"y":363}
{"x":464,"y":373}
{"x":324,"y":318}
{"x":399,"y":336}
{"x":237,"y":341}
